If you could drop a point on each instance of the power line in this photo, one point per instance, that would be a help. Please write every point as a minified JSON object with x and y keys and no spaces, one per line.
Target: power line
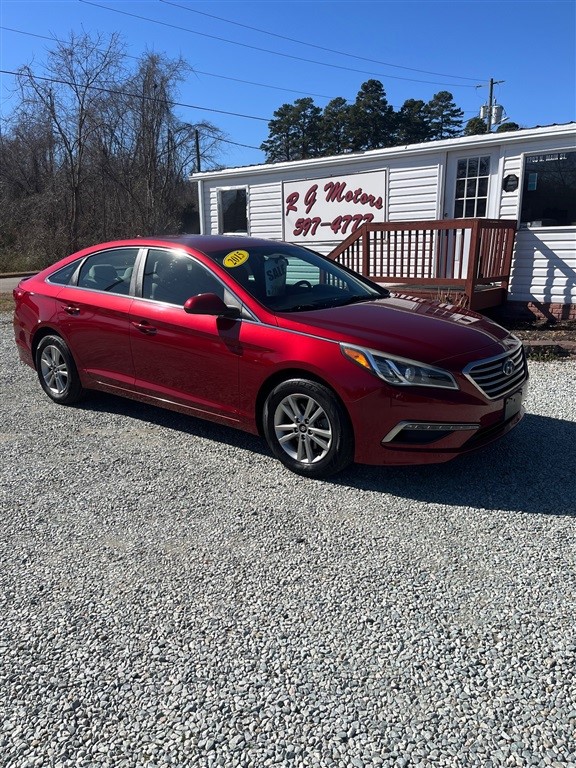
{"x":117,"y":92}
{"x":313,"y":45}
{"x":195,"y":71}
{"x":266,"y":50}
{"x":134,"y":95}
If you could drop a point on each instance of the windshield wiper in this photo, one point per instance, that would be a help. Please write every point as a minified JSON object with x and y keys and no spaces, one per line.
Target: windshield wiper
{"x":355,"y":299}
{"x":305,"y":307}
{"x":327,"y":303}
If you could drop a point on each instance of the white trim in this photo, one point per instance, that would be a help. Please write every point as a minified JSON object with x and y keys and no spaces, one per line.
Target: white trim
{"x":463,"y":144}
{"x":201,"y":206}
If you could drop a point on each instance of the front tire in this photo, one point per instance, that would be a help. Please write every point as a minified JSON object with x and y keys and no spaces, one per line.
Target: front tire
{"x":307,"y":428}
{"x":57,"y":371}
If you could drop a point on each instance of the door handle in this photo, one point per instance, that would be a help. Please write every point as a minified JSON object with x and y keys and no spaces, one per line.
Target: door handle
{"x":144,"y":327}
{"x":72,"y":310}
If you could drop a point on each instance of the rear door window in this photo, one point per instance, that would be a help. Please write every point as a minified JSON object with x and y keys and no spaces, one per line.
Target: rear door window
{"x":109,"y":271}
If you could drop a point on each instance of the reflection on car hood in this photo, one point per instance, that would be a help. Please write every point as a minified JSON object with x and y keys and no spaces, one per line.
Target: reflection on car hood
{"x":407,"y":326}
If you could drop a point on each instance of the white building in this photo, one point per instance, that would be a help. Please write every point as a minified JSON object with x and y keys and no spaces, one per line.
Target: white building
{"x":526,"y":175}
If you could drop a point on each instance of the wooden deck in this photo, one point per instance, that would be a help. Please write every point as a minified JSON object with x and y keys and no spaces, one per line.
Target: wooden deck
{"x":464,"y":259}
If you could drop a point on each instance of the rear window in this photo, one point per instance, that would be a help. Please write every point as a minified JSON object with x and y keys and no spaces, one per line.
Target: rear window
{"x":63,"y":275}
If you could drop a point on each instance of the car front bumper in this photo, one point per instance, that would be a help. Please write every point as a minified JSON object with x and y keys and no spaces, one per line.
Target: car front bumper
{"x":405,"y":429}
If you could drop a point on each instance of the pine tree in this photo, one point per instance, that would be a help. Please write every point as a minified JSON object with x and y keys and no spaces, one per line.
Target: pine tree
{"x":474,"y":127}
{"x":507,"y":127}
{"x":413,"y":122}
{"x":335,"y":127}
{"x":372,"y":118}
{"x":294,"y":133}
{"x":445,"y":117}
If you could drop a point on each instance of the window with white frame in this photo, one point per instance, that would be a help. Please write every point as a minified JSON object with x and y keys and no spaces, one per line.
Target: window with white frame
{"x":549,"y":190}
{"x":472,"y":176}
{"x":233,"y":211}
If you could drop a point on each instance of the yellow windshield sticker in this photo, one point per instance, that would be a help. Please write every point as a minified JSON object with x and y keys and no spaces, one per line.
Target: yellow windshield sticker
{"x":236,"y":258}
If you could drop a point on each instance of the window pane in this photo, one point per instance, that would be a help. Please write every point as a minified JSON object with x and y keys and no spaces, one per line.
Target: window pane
{"x":481,"y":207}
{"x":461,"y":173}
{"x":483,"y":187}
{"x":62,"y":276}
{"x":109,"y":271}
{"x":549,"y":190}
{"x":484,"y":166}
{"x":459,"y":209}
{"x":274,"y":274}
{"x":471,"y":188}
{"x":233,"y":210}
{"x":173,"y":278}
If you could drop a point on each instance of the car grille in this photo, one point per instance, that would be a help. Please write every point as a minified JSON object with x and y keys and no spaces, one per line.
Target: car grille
{"x":497,"y":377}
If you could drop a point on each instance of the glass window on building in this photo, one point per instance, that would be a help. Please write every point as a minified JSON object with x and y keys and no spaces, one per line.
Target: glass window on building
{"x":233,"y":211}
{"x":472,"y":177}
{"x":549,"y":190}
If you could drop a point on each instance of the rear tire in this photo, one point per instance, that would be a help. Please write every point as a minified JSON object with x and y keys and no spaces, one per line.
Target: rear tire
{"x":307,"y":428}
{"x":57,"y":371}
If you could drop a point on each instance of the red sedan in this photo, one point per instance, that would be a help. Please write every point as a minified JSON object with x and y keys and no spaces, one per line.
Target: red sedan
{"x":273,"y":339}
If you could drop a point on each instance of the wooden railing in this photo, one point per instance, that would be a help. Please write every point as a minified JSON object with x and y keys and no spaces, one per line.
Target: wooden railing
{"x":467,"y":256}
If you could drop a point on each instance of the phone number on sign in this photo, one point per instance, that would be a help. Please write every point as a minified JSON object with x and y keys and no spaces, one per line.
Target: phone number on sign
{"x":340,"y":225}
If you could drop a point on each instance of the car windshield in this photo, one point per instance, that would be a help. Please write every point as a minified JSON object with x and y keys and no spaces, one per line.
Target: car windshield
{"x":287,"y":278}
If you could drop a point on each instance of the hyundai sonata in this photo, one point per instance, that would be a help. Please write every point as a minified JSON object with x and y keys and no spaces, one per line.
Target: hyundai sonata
{"x":273,"y":339}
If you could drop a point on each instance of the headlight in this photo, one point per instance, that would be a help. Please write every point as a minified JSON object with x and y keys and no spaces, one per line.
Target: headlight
{"x":397,"y":370}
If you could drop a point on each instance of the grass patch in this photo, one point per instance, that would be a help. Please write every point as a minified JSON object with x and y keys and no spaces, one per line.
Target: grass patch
{"x":547,"y":352}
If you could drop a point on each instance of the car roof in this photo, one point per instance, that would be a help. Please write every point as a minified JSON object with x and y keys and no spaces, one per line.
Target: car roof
{"x":213,"y":243}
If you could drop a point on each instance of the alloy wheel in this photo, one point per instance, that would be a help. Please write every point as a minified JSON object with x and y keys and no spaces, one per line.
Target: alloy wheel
{"x":303,"y":428}
{"x":54,"y":369}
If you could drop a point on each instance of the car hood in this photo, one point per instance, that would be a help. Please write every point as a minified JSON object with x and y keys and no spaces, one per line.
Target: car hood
{"x":408,"y":327}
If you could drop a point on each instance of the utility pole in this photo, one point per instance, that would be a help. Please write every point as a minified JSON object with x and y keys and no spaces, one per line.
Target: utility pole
{"x":197,"y":141}
{"x":486,"y":111}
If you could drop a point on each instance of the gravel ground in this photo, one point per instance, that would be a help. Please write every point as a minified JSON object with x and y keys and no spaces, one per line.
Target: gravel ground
{"x":171,"y":596}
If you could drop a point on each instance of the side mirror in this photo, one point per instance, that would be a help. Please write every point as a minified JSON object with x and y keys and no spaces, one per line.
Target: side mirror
{"x":210,"y":304}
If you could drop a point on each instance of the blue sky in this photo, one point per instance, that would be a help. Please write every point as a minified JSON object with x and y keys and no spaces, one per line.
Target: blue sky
{"x":249,"y":57}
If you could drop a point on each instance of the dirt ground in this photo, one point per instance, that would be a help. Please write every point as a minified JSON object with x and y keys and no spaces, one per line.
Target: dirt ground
{"x":538,"y":329}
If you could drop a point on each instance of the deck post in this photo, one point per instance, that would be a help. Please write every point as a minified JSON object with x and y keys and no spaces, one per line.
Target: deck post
{"x":473,"y":262}
{"x":365,"y":252}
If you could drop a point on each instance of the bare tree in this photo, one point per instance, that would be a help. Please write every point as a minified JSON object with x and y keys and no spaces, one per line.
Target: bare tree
{"x":95,"y":150}
{"x":81,"y":74}
{"x":148,"y":151}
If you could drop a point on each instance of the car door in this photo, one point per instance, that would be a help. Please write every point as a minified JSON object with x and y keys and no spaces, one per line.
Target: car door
{"x":93,"y":314}
{"x":182,"y":358}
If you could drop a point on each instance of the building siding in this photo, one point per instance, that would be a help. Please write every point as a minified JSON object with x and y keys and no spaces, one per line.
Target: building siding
{"x":544,"y":266}
{"x":265,"y":210}
{"x":413,"y":193}
{"x":510,"y":201}
{"x":544,"y":262}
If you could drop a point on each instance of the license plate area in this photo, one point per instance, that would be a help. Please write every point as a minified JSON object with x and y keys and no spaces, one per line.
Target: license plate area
{"x":512,"y":405}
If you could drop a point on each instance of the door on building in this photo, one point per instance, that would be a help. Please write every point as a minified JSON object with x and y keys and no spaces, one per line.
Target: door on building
{"x":471,"y":183}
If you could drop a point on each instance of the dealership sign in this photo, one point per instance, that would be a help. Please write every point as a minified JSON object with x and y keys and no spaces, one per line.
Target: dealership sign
{"x":332,"y":208}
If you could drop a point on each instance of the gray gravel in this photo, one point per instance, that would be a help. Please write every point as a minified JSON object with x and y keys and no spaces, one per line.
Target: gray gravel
{"x":171,"y":596}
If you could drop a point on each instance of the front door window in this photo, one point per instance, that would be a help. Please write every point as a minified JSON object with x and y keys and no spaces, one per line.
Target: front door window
{"x":472,"y":176}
